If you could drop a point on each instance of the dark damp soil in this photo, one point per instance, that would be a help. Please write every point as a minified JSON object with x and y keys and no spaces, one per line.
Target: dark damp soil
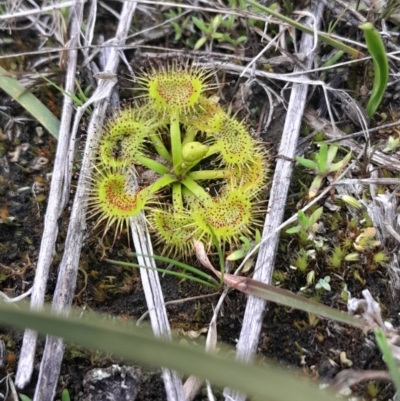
{"x":312,"y":346}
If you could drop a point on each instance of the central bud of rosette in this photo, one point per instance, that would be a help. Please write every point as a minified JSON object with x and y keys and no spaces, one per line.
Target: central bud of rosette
{"x":200,"y":171}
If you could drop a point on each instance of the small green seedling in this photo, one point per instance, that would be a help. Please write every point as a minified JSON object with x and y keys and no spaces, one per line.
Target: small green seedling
{"x":323,"y":165}
{"x":351,"y":201}
{"x":323,"y":283}
{"x":178,"y":27}
{"x":392,"y":144}
{"x":245,"y":248}
{"x":308,"y":224}
{"x":337,"y":257}
{"x":310,"y":277}
{"x":301,"y":262}
{"x":352,"y":257}
{"x":209,"y":31}
{"x":366,"y":240}
{"x":64,"y":396}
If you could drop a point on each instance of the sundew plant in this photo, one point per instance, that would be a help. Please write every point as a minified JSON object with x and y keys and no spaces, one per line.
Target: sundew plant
{"x":204,"y":170}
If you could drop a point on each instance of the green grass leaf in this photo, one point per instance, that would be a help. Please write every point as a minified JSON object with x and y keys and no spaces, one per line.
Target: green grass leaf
{"x":377,"y":51}
{"x":210,"y":281}
{"x":29,"y":102}
{"x":264,"y":381}
{"x":388,"y":357}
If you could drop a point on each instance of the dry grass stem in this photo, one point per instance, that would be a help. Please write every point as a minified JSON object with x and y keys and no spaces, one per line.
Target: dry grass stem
{"x":41,"y":10}
{"x":54,"y":208}
{"x":255,"y":307}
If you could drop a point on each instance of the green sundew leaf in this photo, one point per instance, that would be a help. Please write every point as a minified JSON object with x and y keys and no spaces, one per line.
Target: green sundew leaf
{"x":377,"y":51}
{"x":171,"y":14}
{"x":388,"y":356}
{"x":162,"y":182}
{"x":24,"y":397}
{"x":393,"y":141}
{"x":226,"y":38}
{"x":29,"y":102}
{"x":152,"y":164}
{"x":140,"y":345}
{"x":306,"y":162}
{"x":241,"y":39}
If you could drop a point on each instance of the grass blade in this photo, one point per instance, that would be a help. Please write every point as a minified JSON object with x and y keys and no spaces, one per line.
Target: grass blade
{"x":29,"y":102}
{"x":287,"y":298}
{"x":377,"y":51}
{"x":388,"y":357}
{"x":211,"y":283}
{"x":178,"y":264}
{"x":265,"y":381}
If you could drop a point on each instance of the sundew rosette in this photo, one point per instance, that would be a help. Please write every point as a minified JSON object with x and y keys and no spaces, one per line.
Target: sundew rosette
{"x":207,"y":170}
